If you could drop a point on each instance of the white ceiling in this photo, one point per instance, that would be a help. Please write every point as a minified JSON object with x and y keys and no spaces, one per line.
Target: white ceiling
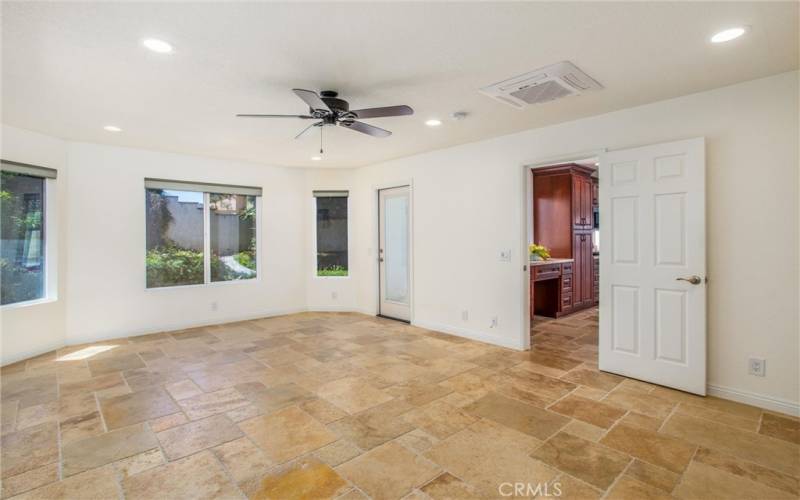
{"x":68,"y":69}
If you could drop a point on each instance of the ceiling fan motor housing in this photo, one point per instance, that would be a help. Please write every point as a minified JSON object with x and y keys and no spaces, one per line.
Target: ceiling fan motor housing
{"x":330,"y":98}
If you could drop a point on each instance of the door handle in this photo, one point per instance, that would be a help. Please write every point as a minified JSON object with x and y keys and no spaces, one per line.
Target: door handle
{"x":694,"y":280}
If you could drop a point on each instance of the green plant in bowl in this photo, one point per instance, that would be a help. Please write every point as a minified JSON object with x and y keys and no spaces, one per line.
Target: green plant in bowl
{"x":538,"y":252}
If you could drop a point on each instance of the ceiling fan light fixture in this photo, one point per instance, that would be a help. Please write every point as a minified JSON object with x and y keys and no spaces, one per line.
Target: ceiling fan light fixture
{"x":157,"y":45}
{"x":433,"y":122}
{"x":729,"y":34}
{"x":112,"y":128}
{"x":316,"y":158}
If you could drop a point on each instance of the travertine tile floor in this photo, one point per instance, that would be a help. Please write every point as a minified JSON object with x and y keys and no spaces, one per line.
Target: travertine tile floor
{"x":350,"y":406}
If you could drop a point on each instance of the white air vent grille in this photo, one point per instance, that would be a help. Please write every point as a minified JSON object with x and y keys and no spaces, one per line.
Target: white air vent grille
{"x":542,"y":85}
{"x":543,"y":92}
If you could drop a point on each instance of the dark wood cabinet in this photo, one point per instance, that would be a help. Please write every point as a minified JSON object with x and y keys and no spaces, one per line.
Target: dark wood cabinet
{"x":564,"y":198}
{"x":582,"y":202}
{"x":582,"y":276}
{"x":551,"y":287}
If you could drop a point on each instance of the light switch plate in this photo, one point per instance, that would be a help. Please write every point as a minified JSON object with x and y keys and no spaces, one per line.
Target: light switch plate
{"x":505,"y":255}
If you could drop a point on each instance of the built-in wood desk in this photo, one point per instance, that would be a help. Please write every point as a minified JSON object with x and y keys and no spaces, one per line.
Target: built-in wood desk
{"x":551,"y":287}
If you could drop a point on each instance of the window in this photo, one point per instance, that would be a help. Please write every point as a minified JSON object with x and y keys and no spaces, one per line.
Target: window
{"x":331,"y":233}
{"x":22,"y":229}
{"x":233,"y":236}
{"x":199,"y":233}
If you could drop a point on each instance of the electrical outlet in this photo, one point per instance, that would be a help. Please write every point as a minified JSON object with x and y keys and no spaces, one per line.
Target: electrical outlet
{"x":334,"y":295}
{"x":214,"y":306}
{"x":494,"y":322}
{"x":465,"y":315}
{"x":757,"y":367}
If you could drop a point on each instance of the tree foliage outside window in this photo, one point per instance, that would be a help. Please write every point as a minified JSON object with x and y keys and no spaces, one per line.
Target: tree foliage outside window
{"x":332,"y":236}
{"x":22,"y":264}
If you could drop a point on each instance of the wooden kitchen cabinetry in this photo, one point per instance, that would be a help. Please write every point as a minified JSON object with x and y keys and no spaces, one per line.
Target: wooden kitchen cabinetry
{"x":564,"y":198}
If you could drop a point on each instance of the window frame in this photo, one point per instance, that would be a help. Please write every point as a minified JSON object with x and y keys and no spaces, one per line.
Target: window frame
{"x":314,"y":269}
{"x":49,"y":231}
{"x":218,"y":189}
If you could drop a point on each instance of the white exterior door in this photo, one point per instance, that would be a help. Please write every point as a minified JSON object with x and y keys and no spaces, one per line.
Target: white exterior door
{"x":653,"y":264}
{"x":394,"y":252}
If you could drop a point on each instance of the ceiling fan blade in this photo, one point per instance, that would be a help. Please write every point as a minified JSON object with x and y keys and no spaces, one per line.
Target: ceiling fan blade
{"x":307,"y":128}
{"x":312,"y":99}
{"x":380,"y":112}
{"x":366,"y":128}
{"x":304,"y":117}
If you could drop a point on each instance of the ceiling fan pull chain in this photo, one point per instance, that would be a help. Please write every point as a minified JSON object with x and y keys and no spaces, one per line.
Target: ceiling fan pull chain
{"x":320,"y":140}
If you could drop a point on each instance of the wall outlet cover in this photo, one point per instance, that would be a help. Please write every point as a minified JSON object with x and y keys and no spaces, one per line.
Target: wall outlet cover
{"x":757,"y":367}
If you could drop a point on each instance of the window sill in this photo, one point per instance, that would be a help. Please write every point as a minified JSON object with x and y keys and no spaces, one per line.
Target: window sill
{"x":213,"y":284}
{"x":29,"y":303}
{"x":332,"y":277}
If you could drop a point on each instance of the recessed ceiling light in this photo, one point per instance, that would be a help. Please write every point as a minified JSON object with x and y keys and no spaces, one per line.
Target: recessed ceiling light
{"x":728,"y":34}
{"x":316,"y":158}
{"x":157,"y":45}
{"x":433,"y":122}
{"x":112,"y":128}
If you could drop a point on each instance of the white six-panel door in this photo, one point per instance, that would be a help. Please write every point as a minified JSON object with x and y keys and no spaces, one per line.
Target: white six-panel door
{"x":653,"y":264}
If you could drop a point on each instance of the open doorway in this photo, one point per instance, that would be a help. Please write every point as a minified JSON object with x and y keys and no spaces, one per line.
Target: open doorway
{"x":564,"y":255}
{"x":644,"y":265}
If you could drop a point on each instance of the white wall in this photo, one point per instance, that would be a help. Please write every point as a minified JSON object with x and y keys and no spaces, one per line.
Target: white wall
{"x":107,"y":291}
{"x":28,"y":330}
{"x":468,"y":206}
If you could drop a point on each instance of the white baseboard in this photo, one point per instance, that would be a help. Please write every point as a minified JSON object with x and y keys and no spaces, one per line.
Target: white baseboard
{"x":753,"y":399}
{"x":471,"y":334}
{"x":182,"y":325}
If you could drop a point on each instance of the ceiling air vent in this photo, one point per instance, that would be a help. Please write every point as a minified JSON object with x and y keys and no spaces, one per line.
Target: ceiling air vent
{"x":542,"y":85}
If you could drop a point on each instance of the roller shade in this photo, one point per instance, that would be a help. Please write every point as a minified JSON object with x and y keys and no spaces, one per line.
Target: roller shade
{"x":203,"y":187}
{"x":25,"y":169}
{"x":331,"y":194}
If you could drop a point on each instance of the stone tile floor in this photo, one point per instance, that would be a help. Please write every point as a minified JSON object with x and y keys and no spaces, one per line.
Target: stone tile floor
{"x":324,"y":405}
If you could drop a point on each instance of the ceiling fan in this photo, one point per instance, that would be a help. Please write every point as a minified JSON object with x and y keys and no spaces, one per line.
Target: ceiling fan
{"x":330,"y":110}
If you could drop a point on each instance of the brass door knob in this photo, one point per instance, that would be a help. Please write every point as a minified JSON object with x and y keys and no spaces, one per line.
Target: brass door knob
{"x":694,"y":280}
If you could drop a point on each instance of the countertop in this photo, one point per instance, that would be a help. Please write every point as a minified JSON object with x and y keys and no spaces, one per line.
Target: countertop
{"x":549,"y":261}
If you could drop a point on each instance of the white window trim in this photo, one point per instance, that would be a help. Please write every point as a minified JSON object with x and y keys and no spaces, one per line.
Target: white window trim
{"x":207,"y":253}
{"x":50,"y":250}
{"x":314,"y":239}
